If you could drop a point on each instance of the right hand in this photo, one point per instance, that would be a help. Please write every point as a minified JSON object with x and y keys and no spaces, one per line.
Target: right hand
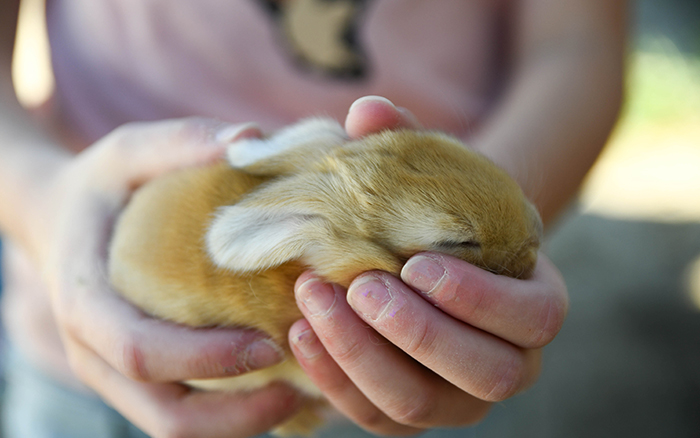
{"x":133,"y":361}
{"x":434,"y":348}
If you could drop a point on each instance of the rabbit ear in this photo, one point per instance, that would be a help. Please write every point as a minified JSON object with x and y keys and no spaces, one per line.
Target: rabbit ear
{"x":288,"y":150}
{"x":248,"y":239}
{"x":251,"y":239}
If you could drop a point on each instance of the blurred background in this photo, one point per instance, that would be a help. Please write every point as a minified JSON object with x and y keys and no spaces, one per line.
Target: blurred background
{"x":627,"y":362}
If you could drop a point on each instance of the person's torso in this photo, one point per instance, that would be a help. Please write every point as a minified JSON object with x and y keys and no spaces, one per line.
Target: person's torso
{"x":272,"y":61}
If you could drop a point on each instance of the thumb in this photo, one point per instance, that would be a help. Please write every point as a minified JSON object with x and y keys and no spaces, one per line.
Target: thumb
{"x":372,"y":114}
{"x":138,"y":152}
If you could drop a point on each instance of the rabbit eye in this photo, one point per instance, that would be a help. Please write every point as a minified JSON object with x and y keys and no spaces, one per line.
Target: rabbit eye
{"x":467,"y":244}
{"x":471,"y":244}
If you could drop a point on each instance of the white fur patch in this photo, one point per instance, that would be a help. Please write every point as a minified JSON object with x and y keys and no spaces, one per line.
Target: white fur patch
{"x":246,"y":239}
{"x":251,"y":150}
{"x":421,"y":227}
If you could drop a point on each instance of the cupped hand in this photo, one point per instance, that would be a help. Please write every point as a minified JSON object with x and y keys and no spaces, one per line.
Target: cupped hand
{"x":130,"y":359}
{"x":434,"y":348}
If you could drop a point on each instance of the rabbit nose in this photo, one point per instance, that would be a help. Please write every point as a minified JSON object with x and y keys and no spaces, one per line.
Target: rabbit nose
{"x":527,"y":262}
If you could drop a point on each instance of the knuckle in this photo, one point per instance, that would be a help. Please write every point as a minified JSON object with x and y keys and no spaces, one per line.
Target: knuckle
{"x":549,"y":323}
{"x":348,"y":354}
{"x":475,"y":304}
{"x":506,"y":381}
{"x":423,"y":343}
{"x":131,"y":361}
{"x":336,"y":387}
{"x":418,"y":411}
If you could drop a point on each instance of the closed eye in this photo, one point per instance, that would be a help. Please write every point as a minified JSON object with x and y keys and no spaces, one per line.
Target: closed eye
{"x":467,"y":244}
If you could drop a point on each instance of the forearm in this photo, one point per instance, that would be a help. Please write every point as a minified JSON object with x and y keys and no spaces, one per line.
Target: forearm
{"x":563,"y":102}
{"x":28,"y":159}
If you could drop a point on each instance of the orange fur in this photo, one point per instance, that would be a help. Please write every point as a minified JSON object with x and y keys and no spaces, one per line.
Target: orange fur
{"x":340,"y":210}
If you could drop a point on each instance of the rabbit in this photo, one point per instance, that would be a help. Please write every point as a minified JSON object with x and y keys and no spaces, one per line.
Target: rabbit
{"x":222,"y":245}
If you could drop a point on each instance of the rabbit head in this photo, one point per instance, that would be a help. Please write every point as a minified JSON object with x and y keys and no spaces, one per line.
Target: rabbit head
{"x":346,"y":207}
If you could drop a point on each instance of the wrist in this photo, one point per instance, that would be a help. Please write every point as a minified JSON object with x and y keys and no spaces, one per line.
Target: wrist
{"x":28,"y":175}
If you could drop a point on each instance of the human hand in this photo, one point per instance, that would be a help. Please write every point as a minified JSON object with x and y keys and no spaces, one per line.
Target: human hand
{"x":134,"y":361}
{"x":433,"y":349}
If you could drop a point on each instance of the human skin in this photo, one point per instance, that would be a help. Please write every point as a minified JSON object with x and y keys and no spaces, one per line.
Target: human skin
{"x":57,"y":208}
{"x":410,"y":360}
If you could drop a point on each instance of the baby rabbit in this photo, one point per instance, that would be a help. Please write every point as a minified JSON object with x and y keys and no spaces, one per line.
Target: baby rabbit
{"x":223,"y":245}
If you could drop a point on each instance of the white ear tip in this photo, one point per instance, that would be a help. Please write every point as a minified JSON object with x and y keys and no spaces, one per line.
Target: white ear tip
{"x":244,"y":239}
{"x":248,"y":151}
{"x":217,"y":241}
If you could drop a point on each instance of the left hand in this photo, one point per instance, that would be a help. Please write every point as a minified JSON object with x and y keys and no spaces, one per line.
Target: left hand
{"x":432,"y":349}
{"x":134,"y":361}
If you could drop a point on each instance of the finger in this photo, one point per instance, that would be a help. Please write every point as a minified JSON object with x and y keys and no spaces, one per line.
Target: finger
{"x":372,"y":114}
{"x":138,"y":346}
{"x":167,"y":410}
{"x":475,"y":361}
{"x":147,"y":349}
{"x":138,"y":152}
{"x":404,"y":390}
{"x":528,"y":313}
{"x":336,"y":386}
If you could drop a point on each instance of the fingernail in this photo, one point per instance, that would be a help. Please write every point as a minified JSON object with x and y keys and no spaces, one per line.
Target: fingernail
{"x":262,"y":354}
{"x":318,"y":297}
{"x":308,"y":344}
{"x":410,"y":118}
{"x":364,"y":99}
{"x":229,"y":133}
{"x":423,"y":273}
{"x":372,"y":298}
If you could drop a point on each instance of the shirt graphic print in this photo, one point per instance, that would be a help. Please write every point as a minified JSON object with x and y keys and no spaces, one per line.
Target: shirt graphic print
{"x":321,"y":36}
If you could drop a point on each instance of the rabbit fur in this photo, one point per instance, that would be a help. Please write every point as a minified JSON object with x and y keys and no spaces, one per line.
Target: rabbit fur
{"x":223,"y":245}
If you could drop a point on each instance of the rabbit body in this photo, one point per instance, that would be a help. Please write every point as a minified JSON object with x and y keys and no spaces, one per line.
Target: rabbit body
{"x":223,"y":245}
